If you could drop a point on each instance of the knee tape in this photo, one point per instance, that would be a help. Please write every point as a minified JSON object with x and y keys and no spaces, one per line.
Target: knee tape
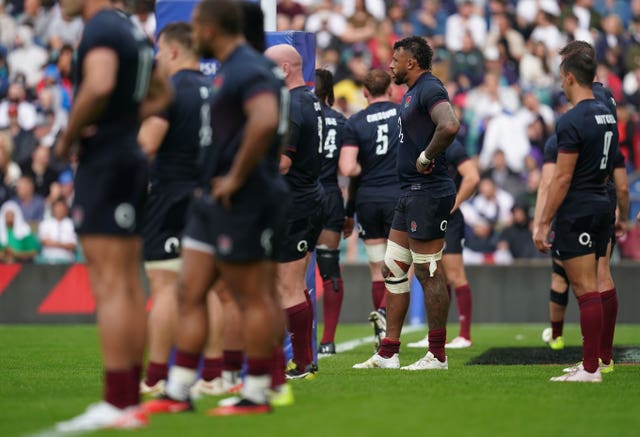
{"x":375,"y":252}
{"x":328,"y":261}
{"x":399,"y":282}
{"x":559,"y":270}
{"x":431,"y":258}
{"x":559,"y":298}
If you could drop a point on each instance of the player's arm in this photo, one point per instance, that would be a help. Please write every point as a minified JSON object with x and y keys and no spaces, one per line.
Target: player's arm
{"x":152,"y":133}
{"x":447,"y":126}
{"x":350,"y":208}
{"x":548,"y":169}
{"x":622,"y":192}
{"x":159,"y":94}
{"x":263,"y":117}
{"x":470,"y":178}
{"x":348,"y":161}
{"x":565,"y":165}
{"x":99,"y":69}
{"x":285,"y":164}
{"x":286,"y":159}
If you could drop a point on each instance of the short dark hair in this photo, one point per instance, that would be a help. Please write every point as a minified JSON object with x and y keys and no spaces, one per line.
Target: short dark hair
{"x":578,"y":47}
{"x":179,"y":32}
{"x":377,"y":82}
{"x":419,"y":49}
{"x":324,"y":86}
{"x":254,"y":25}
{"x":224,"y":14}
{"x":582,"y":66}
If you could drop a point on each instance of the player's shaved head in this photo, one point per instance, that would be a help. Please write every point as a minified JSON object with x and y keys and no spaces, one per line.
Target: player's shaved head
{"x":284,"y":54}
{"x":377,"y":82}
{"x":225,"y":15}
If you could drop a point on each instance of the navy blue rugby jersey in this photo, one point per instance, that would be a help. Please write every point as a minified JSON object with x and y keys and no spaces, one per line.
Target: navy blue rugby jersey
{"x":455,"y":155}
{"x":590,"y":130}
{"x":332,"y":137}
{"x":117,"y":126}
{"x":550,"y":154}
{"x":604,"y":95}
{"x":305,"y":143}
{"x":189,"y":130}
{"x":244,"y":75}
{"x":416,"y":131}
{"x":376,"y":134}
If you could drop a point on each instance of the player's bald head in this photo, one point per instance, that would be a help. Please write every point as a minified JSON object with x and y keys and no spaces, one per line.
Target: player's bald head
{"x":284,"y":54}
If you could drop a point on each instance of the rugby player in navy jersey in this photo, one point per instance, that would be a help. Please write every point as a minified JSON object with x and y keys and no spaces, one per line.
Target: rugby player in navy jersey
{"x":428,"y":126}
{"x":116,"y":87}
{"x":579,"y":202}
{"x":328,"y":249}
{"x":172,"y":139}
{"x":370,"y":149}
{"x":464,"y":172}
{"x":301,"y":164}
{"x":231,"y":227}
{"x":618,"y":191}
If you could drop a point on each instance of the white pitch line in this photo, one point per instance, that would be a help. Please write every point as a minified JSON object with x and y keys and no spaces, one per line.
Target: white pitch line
{"x":352,"y":344}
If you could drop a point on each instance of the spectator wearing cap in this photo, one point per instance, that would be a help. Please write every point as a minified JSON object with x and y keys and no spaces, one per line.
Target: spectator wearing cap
{"x":65,"y":183}
{"x":31,"y":204}
{"x":27,"y":58}
{"x":466,"y":20}
{"x":7,"y":27}
{"x":57,"y":235}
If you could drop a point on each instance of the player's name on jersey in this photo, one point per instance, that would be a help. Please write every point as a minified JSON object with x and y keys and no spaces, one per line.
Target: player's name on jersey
{"x":605,"y":119}
{"x":377,"y":116}
{"x":330,"y":121}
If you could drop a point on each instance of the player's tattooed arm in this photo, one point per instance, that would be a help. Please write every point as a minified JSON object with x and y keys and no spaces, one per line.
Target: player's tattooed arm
{"x":447,"y":126}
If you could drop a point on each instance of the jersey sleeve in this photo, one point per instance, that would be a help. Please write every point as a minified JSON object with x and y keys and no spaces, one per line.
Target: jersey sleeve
{"x":295,"y":124}
{"x":258,"y":83}
{"x":550,"y":155}
{"x":99,"y":34}
{"x":456,"y":154}
{"x":568,"y":136}
{"x":431,"y":95}
{"x":618,"y":161}
{"x":349,"y":134}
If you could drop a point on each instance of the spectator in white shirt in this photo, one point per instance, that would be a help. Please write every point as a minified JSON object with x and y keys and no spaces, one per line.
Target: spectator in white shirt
{"x":466,"y":20}
{"x":57,"y":235}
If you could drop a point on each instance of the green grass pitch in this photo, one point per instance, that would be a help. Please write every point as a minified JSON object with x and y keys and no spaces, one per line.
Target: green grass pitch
{"x":51,"y":373}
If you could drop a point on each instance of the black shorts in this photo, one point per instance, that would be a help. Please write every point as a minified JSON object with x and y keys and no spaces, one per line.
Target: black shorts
{"x":422,"y":216}
{"x":374,"y":219}
{"x":109,"y":196}
{"x":454,"y":236}
{"x":244,"y":233}
{"x":301,"y":233}
{"x":164,"y":221}
{"x":335,"y":211}
{"x":577,"y":236}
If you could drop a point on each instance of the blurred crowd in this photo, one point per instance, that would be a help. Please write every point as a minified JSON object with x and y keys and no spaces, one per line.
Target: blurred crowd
{"x":498,"y":59}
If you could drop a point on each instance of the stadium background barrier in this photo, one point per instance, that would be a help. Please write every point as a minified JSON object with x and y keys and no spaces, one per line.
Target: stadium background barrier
{"x":33,"y":293}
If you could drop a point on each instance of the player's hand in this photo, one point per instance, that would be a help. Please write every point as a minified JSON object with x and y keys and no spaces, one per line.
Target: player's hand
{"x":425,"y":169}
{"x":63,"y":148}
{"x":347,"y":228}
{"x":541,"y":238}
{"x":223,"y":187}
{"x":621,"y":228}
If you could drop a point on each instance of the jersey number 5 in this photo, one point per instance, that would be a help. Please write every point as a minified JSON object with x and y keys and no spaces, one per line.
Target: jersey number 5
{"x":605,"y":150}
{"x":382,"y":142}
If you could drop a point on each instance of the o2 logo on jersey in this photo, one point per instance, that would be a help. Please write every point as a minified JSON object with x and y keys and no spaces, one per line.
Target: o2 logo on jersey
{"x":443,"y":225}
{"x":172,"y":245}
{"x":302,"y":246}
{"x":125,"y":216}
{"x":585,"y":239}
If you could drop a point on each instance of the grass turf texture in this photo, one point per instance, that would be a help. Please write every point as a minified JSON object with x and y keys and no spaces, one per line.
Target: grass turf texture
{"x":51,"y":373}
